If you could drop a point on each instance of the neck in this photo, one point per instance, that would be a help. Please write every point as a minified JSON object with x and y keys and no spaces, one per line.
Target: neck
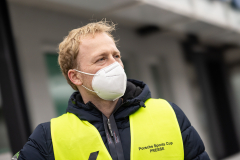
{"x":106,"y":107}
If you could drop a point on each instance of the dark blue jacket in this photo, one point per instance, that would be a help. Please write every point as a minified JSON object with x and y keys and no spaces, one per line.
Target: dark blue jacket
{"x":39,"y":145}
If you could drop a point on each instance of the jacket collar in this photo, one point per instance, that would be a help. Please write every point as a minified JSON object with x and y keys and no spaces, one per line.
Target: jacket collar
{"x":136,"y":94}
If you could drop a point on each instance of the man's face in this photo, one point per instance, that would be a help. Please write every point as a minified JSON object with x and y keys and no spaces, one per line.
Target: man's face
{"x":96,"y":53}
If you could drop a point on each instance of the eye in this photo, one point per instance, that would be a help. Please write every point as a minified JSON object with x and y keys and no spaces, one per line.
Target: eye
{"x":117,"y":56}
{"x":101,"y":59}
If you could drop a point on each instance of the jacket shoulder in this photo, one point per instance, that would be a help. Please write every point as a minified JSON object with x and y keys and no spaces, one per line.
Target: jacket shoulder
{"x":39,"y":144}
{"x":192,"y":142}
{"x":183,"y":121}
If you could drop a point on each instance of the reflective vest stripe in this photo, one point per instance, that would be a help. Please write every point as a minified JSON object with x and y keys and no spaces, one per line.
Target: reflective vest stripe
{"x":155,"y":134}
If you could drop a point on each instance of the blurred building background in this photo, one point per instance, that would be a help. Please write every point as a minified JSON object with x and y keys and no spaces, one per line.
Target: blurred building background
{"x":187,"y":51}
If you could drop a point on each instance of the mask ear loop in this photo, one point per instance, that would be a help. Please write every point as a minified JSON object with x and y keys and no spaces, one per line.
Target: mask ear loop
{"x":90,"y":89}
{"x":87,"y":74}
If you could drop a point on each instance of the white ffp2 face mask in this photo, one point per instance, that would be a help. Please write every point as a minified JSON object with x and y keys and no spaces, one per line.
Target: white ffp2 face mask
{"x":109,"y":83}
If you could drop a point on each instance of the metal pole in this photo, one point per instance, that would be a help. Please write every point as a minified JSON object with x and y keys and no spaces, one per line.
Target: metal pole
{"x":13,"y":100}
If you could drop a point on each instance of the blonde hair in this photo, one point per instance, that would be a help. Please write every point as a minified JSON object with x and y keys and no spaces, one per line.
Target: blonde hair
{"x":69,"y":47}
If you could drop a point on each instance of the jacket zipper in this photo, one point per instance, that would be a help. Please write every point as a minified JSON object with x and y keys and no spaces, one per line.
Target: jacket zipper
{"x":108,"y":121}
{"x":110,"y":128}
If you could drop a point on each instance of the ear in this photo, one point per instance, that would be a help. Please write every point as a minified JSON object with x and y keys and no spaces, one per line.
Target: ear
{"x":75,"y":77}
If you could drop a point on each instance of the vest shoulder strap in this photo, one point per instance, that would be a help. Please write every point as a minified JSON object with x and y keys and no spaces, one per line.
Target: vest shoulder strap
{"x":155,"y":132}
{"x":76,"y":139}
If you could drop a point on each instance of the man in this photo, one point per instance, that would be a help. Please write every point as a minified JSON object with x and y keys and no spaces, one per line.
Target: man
{"x":110,"y":117}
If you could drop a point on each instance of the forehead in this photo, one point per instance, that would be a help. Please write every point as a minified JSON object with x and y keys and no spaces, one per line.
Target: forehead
{"x":91,"y":45}
{"x":97,"y":39}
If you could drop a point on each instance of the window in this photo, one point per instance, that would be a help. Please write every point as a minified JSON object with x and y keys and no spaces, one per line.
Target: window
{"x":59,"y":89}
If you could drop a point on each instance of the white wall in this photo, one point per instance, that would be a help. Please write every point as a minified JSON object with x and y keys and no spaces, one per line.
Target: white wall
{"x":5,"y":156}
{"x":37,"y":31}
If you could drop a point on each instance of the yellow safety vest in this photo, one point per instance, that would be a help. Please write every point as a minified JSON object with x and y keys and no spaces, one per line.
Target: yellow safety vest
{"x":155,"y":134}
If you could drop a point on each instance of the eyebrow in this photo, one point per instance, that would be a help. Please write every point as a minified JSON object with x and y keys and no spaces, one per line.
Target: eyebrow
{"x":101,"y":54}
{"x":104,"y":53}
